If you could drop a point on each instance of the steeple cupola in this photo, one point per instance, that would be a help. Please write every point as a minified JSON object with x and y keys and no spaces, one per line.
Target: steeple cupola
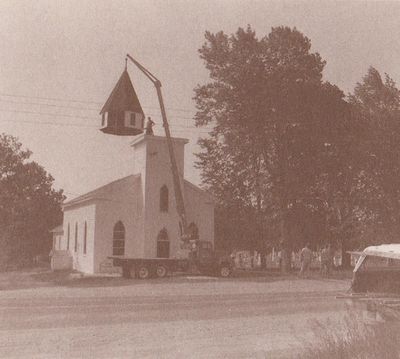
{"x":122,"y":113}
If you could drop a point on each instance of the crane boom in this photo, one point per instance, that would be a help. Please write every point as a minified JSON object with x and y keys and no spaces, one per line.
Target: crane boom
{"x":180,"y":205}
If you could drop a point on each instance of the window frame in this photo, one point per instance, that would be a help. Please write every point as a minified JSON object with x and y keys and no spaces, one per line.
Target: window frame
{"x":68,"y":236}
{"x":129,"y":117}
{"x":76,"y":238}
{"x":85,"y":239}
{"x":118,"y":240}
{"x":133,"y":119}
{"x":164,"y":199}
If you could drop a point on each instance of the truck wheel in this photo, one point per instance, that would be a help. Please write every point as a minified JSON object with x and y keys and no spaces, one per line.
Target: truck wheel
{"x":161,"y":271}
{"x":225,"y":271}
{"x":143,"y":272}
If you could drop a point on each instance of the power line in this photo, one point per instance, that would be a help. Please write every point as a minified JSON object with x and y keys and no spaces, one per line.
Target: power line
{"x":83,"y":101}
{"x":49,"y":98}
{"x":68,"y":116}
{"x":78,"y":108}
{"x":42,"y":122}
{"x":49,"y":105}
{"x":92,"y":127}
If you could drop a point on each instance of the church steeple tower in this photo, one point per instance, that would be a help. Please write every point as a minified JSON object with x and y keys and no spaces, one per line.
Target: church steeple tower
{"x":152,"y":162}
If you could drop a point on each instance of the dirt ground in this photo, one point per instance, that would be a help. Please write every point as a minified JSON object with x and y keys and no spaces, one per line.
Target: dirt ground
{"x":253,"y":315}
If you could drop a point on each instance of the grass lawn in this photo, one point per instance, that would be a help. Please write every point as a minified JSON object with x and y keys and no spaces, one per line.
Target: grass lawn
{"x":42,"y":276}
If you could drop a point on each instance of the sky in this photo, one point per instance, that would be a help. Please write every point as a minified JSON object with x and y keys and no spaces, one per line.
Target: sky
{"x":60,"y":60}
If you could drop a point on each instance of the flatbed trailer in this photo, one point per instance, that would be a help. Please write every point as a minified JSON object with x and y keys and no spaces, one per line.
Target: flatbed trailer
{"x":144,"y":268}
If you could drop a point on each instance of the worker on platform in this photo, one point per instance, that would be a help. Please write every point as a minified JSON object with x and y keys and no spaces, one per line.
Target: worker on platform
{"x":149,"y":127}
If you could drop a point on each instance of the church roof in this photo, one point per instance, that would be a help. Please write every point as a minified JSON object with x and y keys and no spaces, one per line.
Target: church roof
{"x":104,"y":191}
{"x":145,"y":137}
{"x":123,"y":97}
{"x":204,"y":193}
{"x":100,"y":192}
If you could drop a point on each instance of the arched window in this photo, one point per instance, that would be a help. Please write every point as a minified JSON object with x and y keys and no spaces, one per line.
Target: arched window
{"x":76,"y":237}
{"x":68,"y":235}
{"x":119,"y":239}
{"x":164,"y":199}
{"x":84,"y":238}
{"x":163,"y":244}
{"x":193,"y":231}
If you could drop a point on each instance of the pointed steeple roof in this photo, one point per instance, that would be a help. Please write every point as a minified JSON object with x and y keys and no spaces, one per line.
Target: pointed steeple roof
{"x":123,"y":97}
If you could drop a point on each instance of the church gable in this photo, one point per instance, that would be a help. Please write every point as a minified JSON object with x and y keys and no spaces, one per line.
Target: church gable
{"x":106,"y":192}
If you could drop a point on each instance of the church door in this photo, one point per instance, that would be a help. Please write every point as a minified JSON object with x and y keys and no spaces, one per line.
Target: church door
{"x":163,"y":244}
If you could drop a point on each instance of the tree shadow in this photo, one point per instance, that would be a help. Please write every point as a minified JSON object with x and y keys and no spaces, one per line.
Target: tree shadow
{"x":75,"y":279}
{"x":43,"y":277}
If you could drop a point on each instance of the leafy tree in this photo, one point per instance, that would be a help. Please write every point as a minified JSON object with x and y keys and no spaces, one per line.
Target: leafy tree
{"x":376,"y":102}
{"x":275,"y":126}
{"x":29,"y":206}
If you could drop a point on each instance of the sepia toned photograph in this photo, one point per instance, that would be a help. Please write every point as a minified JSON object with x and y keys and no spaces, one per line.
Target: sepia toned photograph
{"x":214,"y":179}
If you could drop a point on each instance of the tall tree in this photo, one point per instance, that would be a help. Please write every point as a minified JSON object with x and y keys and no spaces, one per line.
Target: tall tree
{"x":376,"y":102}
{"x":29,"y":206}
{"x":272,"y":118}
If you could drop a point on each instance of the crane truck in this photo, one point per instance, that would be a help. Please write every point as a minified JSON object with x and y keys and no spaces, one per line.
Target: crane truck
{"x":200,"y":254}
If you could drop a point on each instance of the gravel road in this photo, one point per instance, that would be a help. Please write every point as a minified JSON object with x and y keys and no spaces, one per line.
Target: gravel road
{"x":263,"y":317}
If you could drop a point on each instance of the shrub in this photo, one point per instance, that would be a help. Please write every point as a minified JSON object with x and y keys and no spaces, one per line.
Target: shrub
{"x":354,"y":339}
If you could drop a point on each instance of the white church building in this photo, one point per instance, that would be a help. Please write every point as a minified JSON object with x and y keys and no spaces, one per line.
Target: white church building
{"x":135,"y":216}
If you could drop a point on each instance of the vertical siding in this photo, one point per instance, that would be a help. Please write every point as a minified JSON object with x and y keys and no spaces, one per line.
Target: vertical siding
{"x":81,"y":262}
{"x":158,"y":173}
{"x":136,"y":202}
{"x":124,"y":204}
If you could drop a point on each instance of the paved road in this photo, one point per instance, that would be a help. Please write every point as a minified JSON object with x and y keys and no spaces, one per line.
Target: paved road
{"x":178,"y":318}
